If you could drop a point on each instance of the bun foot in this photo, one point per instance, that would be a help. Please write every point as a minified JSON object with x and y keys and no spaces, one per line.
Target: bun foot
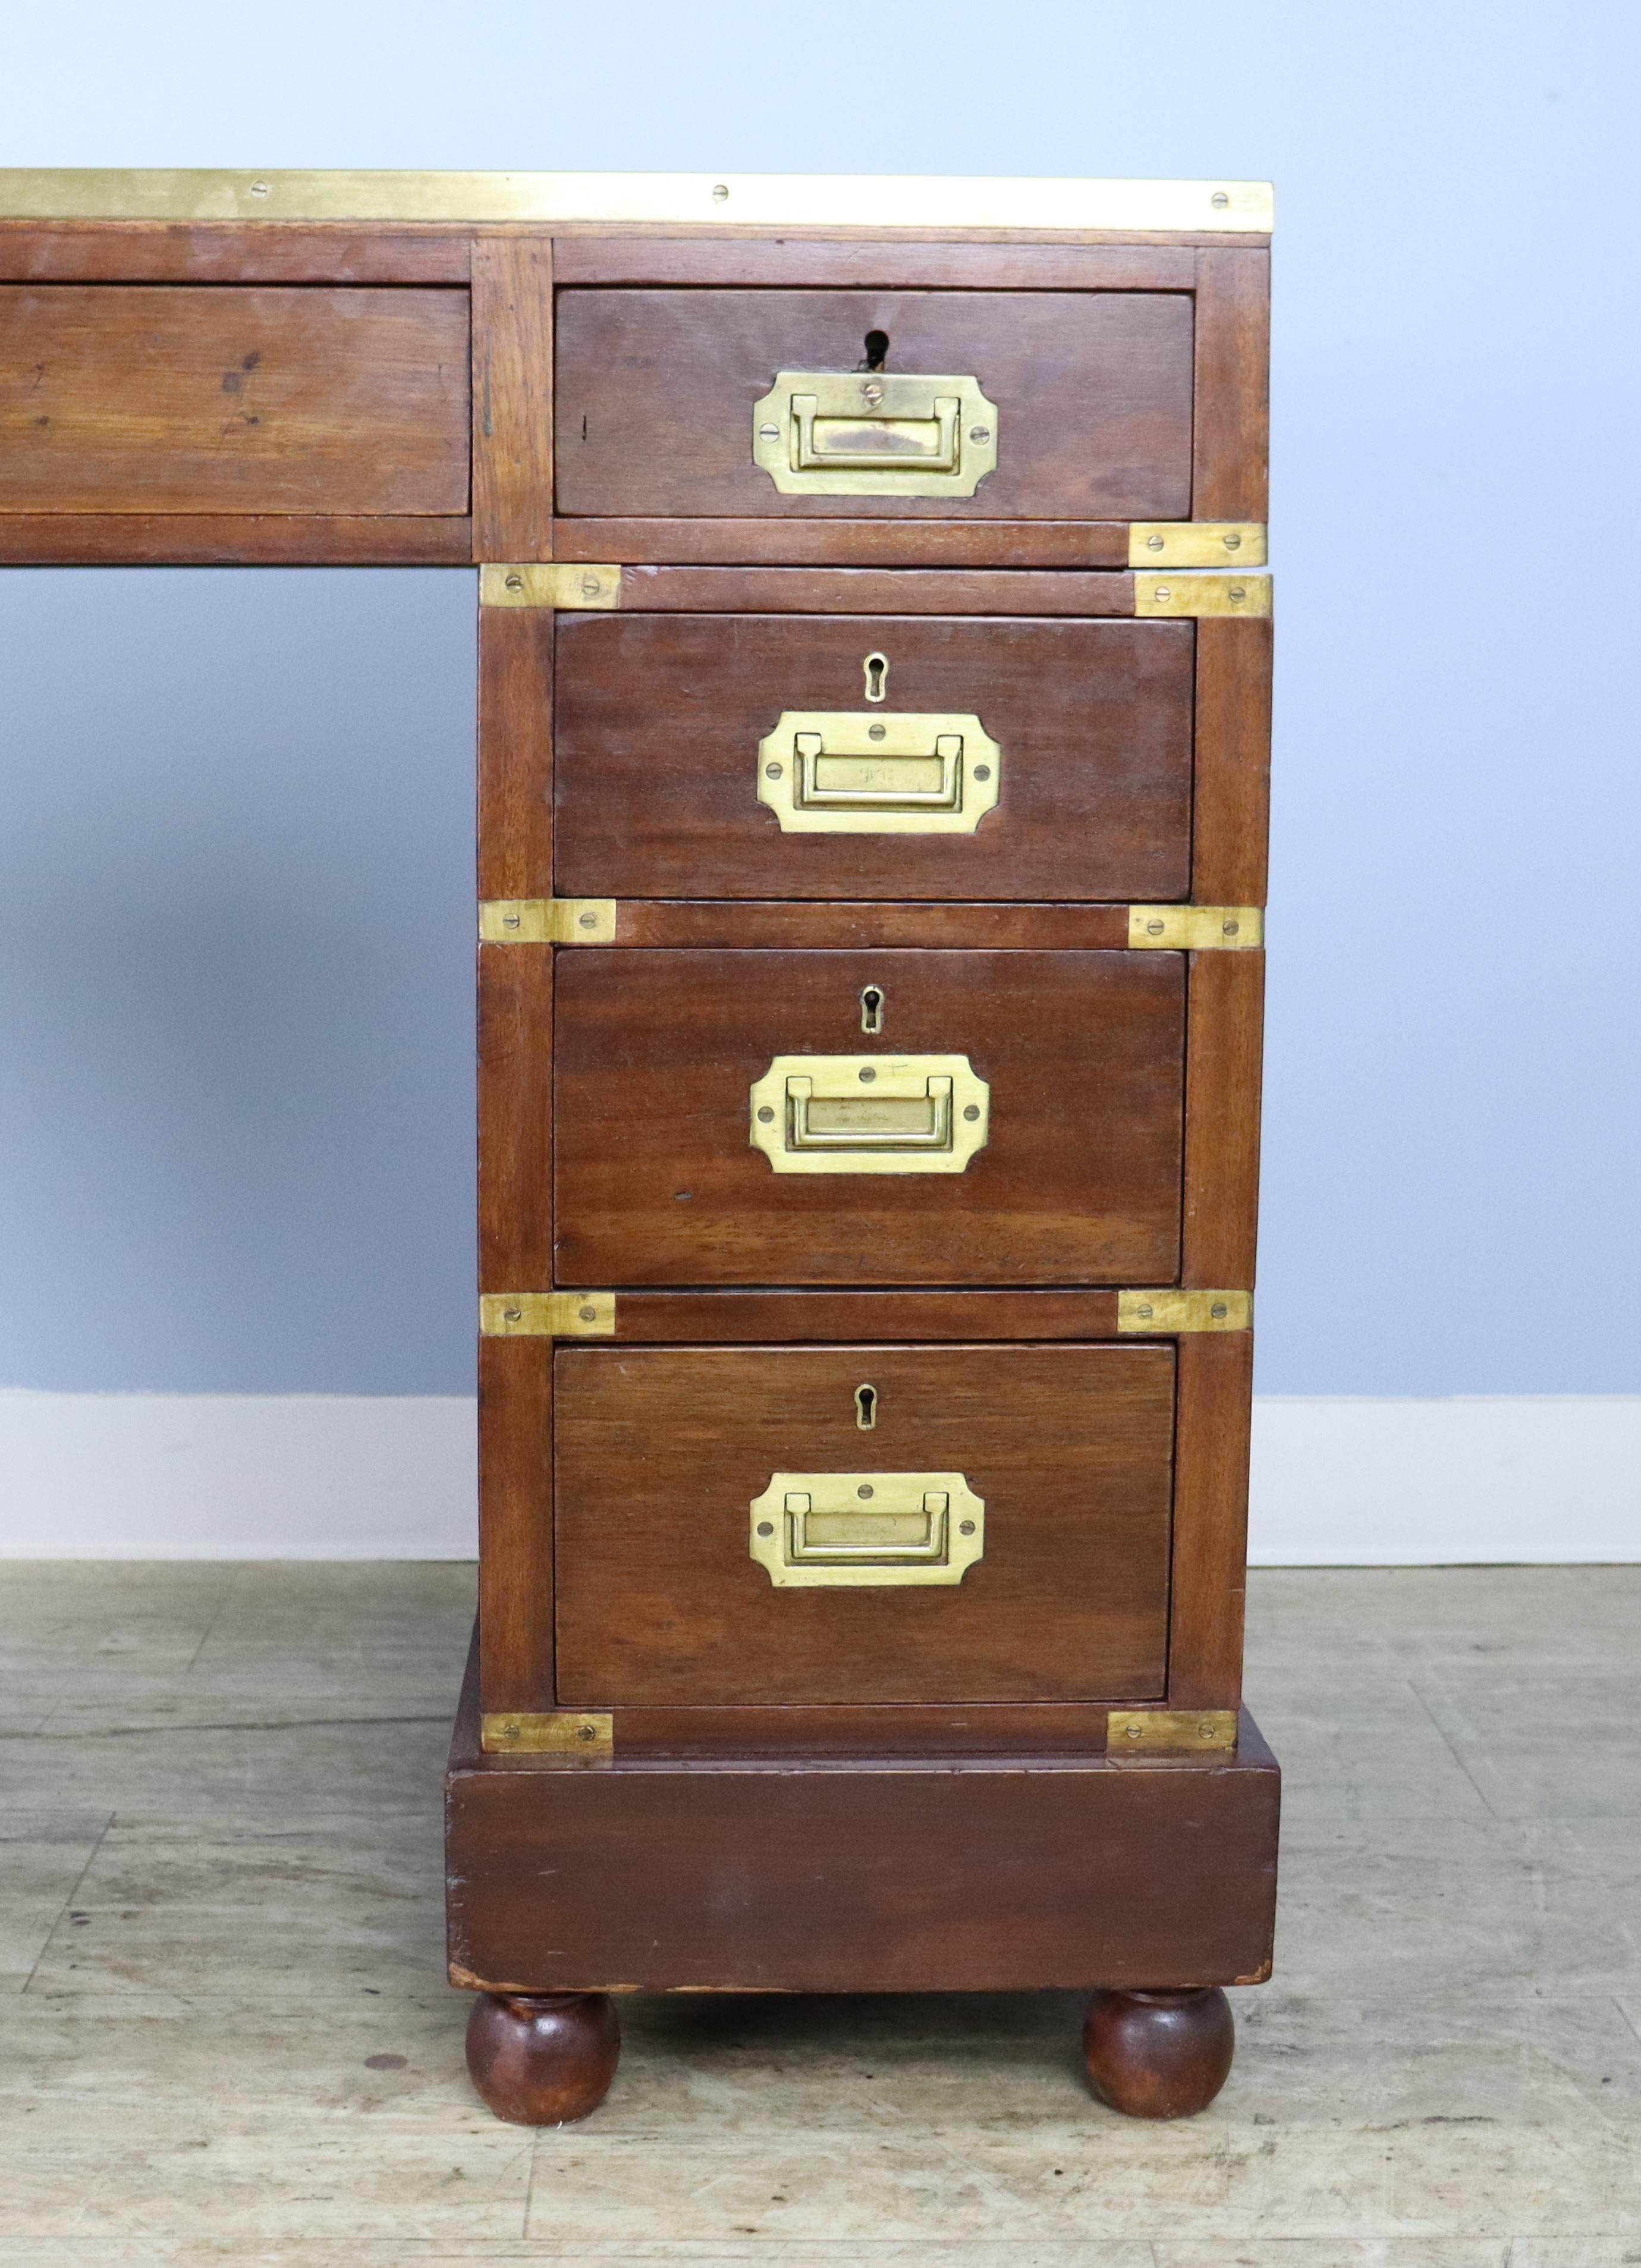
{"x":1158,"y":2055}
{"x":542,"y":2058}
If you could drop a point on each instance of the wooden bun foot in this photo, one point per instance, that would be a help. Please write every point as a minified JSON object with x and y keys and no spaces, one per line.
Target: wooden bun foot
{"x":1158,"y":2055}
{"x":541,"y":2059}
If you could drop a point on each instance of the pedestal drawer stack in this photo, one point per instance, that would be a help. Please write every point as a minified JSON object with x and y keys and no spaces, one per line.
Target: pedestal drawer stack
{"x":872,"y":758}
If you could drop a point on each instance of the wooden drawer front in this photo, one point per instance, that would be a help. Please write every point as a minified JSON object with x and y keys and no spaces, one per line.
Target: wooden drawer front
{"x":1092,"y":397}
{"x":659,"y":1455}
{"x":163,"y":398}
{"x":657,"y":767}
{"x":657,"y":1183}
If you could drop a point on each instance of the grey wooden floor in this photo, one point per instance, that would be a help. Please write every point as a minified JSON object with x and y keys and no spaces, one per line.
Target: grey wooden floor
{"x":224,"y":2035}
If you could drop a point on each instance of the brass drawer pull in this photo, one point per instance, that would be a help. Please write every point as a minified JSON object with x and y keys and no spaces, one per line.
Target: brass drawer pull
{"x":846,"y":772}
{"x":874,"y":433}
{"x":869,"y":1114}
{"x":865,"y":1528}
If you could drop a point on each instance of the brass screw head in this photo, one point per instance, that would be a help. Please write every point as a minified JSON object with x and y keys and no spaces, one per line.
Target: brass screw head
{"x":769,"y":433}
{"x":1219,"y":1311}
{"x":1239,"y":591}
{"x":971,"y":1110}
{"x":510,"y":1730}
{"x":515,"y":582}
{"x":720,"y":191}
{"x":1219,"y":199}
{"x":1206,"y":1732}
{"x":586,"y":1731}
{"x":589,"y":586}
{"x":509,"y":921}
{"x":980,"y":432}
{"x":1153,"y":929}
{"x":965,"y":1526}
{"x":872,"y":395}
{"x":1233,"y":542}
{"x":1135,"y":1733}
{"x":1146,"y":1312}
{"x":260,"y":188}
{"x":765,"y":1115}
{"x":513,"y":1315}
{"x":766,"y":1527}
{"x":586,"y":921}
{"x":588,"y":1315}
{"x":1153,"y":543}
{"x":877,"y":731}
{"x":1163,"y":592}
{"x":1230,"y":928}
{"x":865,"y":1490}
{"x":983,"y":771}
{"x":867,"y":1074}
{"x":772,"y":771}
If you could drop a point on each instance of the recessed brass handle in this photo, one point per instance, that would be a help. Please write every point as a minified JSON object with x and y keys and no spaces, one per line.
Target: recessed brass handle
{"x":825,"y":771}
{"x":854,"y":1529}
{"x":874,"y":433}
{"x":869,"y":1114}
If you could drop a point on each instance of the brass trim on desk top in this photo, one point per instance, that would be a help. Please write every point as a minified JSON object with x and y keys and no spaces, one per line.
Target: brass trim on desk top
{"x":938,"y":203}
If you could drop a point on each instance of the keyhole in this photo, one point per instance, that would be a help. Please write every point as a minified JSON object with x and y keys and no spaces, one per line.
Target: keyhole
{"x":877,"y":349}
{"x":876,"y":668}
{"x":865,"y":1407}
{"x":872,"y":1007}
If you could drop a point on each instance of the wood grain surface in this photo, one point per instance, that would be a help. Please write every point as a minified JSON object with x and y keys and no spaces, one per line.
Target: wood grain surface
{"x":1092,"y":390}
{"x":657,"y":1183}
{"x":512,"y":398}
{"x":1072,"y":543}
{"x":660,"y":718}
{"x":872,"y":1876}
{"x":182,"y":398}
{"x":659,"y":1453}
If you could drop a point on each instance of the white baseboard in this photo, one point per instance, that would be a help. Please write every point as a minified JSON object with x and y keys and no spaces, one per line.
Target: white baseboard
{"x":238,"y":1477}
{"x":1337,"y":1482}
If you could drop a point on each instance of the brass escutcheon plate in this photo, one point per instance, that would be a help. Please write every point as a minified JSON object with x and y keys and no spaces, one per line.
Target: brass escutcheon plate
{"x":830,"y":432}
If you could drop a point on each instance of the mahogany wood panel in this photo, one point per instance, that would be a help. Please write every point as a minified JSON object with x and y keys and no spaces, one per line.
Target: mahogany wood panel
{"x":657,"y":1183}
{"x":1233,"y":384}
{"x":515,"y":752}
{"x":1231,"y":819}
{"x":230,"y":540}
{"x":516,"y":1523}
{"x":882,"y":265}
{"x":515,"y":1116}
{"x":1224,"y":1031}
{"x":512,"y":398}
{"x":660,"y":718}
{"x":656,"y":391}
{"x":225,"y":252}
{"x":846,"y":542}
{"x":986,"y":1728}
{"x":1216,"y":1385}
{"x":890,"y":1878}
{"x":724,"y":922}
{"x":659,"y":1453}
{"x":872,"y":591}
{"x":650,"y":1316}
{"x":162,"y":398}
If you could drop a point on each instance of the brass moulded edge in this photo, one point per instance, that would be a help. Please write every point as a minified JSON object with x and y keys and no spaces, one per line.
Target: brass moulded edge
{"x":937,"y":202}
{"x":1162,"y":1314}
{"x":1171,"y":1731}
{"x":1196,"y":543}
{"x":580,"y":1736}
{"x":547,"y":1314}
{"x":1196,"y":928}
{"x":547,"y":921}
{"x":571,"y":587}
{"x":1164,"y":594}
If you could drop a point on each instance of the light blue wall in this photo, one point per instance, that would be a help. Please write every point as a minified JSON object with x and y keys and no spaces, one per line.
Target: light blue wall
{"x":235,"y":877}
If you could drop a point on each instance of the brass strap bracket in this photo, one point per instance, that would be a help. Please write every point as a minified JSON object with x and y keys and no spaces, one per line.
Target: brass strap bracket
{"x":581,"y":1736}
{"x":1166,"y":594}
{"x":1160,"y":1314}
{"x":1196,"y":543}
{"x":1196,"y":928}
{"x":548,"y":1315}
{"x":572,"y":585}
{"x":547,"y":921}
{"x":1169,"y":1732}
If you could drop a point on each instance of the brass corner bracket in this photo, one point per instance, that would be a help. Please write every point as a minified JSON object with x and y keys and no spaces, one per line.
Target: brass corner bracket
{"x":1160,"y":1314}
{"x":1169,"y":1732}
{"x":582,"y":1736}
{"x":1196,"y":543}
{"x":570,"y":585}
{"x":1196,"y":928}
{"x":547,"y":921}
{"x":547,"y":1314}
{"x":1163,"y":594}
